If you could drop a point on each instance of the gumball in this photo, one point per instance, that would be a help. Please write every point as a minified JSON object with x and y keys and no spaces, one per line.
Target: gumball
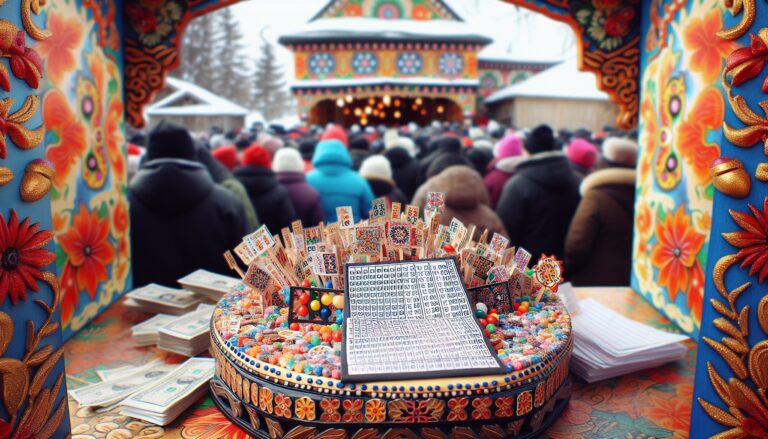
{"x":327,"y":338}
{"x":327,"y":299}
{"x":304,"y":298}
{"x":316,"y":340}
{"x":483,"y":322}
{"x":315,"y":305}
{"x":479,"y":313}
{"x":305,"y":283}
{"x":449,"y":248}
{"x":487,"y":334}
{"x":294,"y":326}
{"x":334,"y":327}
{"x":481,"y":306}
{"x":329,"y":284}
{"x":491,"y":328}
{"x":303,"y":311}
{"x":493,"y":311}
{"x":338,"y":301}
{"x":325,"y":313}
{"x":492,"y":319}
{"x":312,"y":283}
{"x":337,"y":336}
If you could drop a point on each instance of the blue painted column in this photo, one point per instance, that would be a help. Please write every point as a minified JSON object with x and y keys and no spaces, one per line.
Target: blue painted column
{"x":732,"y":368}
{"x":33,"y":400}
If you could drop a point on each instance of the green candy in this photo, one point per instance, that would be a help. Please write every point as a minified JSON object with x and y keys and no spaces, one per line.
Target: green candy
{"x":479,"y":313}
{"x":316,"y":341}
{"x":491,"y":328}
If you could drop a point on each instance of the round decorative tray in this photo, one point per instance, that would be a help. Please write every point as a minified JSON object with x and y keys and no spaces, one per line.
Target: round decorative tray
{"x":271,"y":399}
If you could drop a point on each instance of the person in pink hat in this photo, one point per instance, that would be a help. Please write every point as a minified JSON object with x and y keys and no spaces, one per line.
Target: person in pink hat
{"x":583,"y":155}
{"x":508,"y":153}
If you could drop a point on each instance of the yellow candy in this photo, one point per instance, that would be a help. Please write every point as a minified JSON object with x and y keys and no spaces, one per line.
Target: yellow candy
{"x":315,"y":305}
{"x":327,"y":299}
{"x":338,"y":301}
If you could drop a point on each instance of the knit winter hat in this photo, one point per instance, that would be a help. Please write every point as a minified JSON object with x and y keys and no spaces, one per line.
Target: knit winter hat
{"x":287,"y":160}
{"x":541,"y":139}
{"x":256,"y":155}
{"x":376,"y":167}
{"x":271,"y":143}
{"x":170,"y":141}
{"x":226,"y":155}
{"x":510,"y":146}
{"x":335,"y":132}
{"x":582,"y":153}
{"x":360,"y":142}
{"x":619,"y":151}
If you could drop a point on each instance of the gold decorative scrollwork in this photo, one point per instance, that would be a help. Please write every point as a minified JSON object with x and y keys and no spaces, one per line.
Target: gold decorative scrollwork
{"x":747,"y":9}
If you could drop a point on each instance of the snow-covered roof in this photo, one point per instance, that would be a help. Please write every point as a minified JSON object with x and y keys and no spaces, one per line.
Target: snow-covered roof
{"x":563,"y":81}
{"x":354,"y":29}
{"x":427,"y":81}
{"x":501,"y":53}
{"x":208,"y":104}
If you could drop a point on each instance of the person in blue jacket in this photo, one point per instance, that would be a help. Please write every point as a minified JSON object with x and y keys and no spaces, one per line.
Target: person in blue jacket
{"x":336,"y":181}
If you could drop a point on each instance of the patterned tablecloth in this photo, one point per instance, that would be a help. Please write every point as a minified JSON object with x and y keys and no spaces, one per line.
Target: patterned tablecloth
{"x":651,"y":403}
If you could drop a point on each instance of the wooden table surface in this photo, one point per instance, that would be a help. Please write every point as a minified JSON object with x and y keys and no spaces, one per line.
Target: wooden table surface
{"x":650,"y":403}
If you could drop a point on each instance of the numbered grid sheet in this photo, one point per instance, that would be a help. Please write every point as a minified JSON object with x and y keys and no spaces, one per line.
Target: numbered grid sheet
{"x":411,"y":320}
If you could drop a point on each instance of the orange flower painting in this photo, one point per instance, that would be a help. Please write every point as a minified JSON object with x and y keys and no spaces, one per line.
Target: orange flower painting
{"x":69,"y":136}
{"x":675,"y":252}
{"x":692,"y":134}
{"x":60,"y":53}
{"x":708,"y":51}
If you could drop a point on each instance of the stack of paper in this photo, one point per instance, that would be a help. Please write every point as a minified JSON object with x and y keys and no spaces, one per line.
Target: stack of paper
{"x":146,"y":332}
{"x":187,"y":334}
{"x":167,"y":398}
{"x":120,"y":384}
{"x":210,"y":286}
{"x":607,"y":344}
{"x":155,"y":299}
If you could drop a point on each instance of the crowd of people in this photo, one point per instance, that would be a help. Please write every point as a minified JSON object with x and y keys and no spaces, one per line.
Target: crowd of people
{"x":195,"y":195}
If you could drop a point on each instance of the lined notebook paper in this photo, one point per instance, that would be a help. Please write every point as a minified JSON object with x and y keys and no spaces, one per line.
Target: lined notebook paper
{"x":607,"y":344}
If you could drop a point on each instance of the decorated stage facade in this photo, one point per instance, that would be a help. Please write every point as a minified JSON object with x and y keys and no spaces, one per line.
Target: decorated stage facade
{"x":691,"y":72}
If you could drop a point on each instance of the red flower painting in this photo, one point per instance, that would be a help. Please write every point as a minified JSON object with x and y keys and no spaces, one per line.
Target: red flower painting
{"x":22,"y":256}
{"x":676,"y":251}
{"x":88,"y":250}
{"x":752,"y":239}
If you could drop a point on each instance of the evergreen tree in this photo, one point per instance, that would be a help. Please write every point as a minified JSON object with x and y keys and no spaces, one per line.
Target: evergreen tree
{"x":199,"y":63}
{"x":270,"y":97}
{"x":232,"y":79}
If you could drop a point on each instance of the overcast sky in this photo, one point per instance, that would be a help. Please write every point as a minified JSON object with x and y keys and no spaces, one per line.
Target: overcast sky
{"x":523,"y":34}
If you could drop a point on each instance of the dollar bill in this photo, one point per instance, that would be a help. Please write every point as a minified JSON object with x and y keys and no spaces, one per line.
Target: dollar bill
{"x":169,"y":397}
{"x":188,"y":326}
{"x":119,"y":388}
{"x":159,"y":294}
{"x":153,"y":324}
{"x":202,"y":279}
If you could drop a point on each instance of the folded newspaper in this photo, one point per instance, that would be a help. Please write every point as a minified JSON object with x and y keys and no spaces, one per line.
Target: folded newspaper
{"x":607,"y":344}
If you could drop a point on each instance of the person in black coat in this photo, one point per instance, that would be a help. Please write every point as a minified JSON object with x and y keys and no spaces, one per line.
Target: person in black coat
{"x":539,"y":201}
{"x":181,"y":220}
{"x":271,"y":200}
{"x":405,"y":168}
{"x":443,"y":145}
{"x":359,"y":150}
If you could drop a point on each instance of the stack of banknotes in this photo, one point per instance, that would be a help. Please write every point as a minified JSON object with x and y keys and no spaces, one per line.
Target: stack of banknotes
{"x":154,"y":299}
{"x":210,"y":286}
{"x":155,"y":392}
{"x":188,"y":334}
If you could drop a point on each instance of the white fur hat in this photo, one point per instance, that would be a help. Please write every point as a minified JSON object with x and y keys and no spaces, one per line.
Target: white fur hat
{"x":287,"y":160}
{"x":376,"y":167}
{"x":620,"y":151}
{"x":482,"y":143}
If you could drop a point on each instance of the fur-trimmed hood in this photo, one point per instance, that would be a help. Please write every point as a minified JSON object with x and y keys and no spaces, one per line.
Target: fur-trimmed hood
{"x":607,"y":177}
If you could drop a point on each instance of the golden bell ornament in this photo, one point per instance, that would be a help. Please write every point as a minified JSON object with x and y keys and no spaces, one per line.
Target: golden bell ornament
{"x":37,"y":180}
{"x":730,"y":177}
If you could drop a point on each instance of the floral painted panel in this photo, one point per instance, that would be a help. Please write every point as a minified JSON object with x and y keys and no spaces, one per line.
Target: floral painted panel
{"x":83,"y":113}
{"x":389,"y":9}
{"x":681,"y":112}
